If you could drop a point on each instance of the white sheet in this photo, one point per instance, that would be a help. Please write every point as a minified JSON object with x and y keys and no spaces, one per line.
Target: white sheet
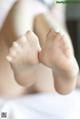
{"x":43,"y":106}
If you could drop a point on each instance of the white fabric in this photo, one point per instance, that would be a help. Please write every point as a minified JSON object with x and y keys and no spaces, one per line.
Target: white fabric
{"x":29,"y":9}
{"x":48,"y":3}
{"x":5,"y":6}
{"x":43,"y":106}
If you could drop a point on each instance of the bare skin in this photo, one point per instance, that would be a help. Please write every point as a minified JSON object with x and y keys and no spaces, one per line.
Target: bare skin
{"x":8,"y":86}
{"x":55,"y":54}
{"x":23,"y":56}
{"x":40,"y":65}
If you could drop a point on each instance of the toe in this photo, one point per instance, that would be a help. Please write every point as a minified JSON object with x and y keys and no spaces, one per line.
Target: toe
{"x":68,"y":52}
{"x":9,"y":58}
{"x":51,"y":34}
{"x":12,"y":52}
{"x":33,"y":40}
{"x":17,"y":46}
{"x":58,"y":36}
{"x":22,"y":40}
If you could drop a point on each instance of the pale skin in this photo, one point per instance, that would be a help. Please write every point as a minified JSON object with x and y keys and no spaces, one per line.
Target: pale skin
{"x":55,"y":54}
{"x":31,"y":53}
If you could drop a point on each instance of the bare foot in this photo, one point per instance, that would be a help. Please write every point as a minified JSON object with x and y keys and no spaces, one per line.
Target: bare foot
{"x":23,"y":57}
{"x":57,"y":54}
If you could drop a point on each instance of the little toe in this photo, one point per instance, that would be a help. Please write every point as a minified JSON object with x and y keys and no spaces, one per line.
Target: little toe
{"x":17,"y":46}
{"x":13,"y":55}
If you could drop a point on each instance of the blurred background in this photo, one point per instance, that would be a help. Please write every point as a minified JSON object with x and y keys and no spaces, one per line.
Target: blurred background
{"x":73,"y":24}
